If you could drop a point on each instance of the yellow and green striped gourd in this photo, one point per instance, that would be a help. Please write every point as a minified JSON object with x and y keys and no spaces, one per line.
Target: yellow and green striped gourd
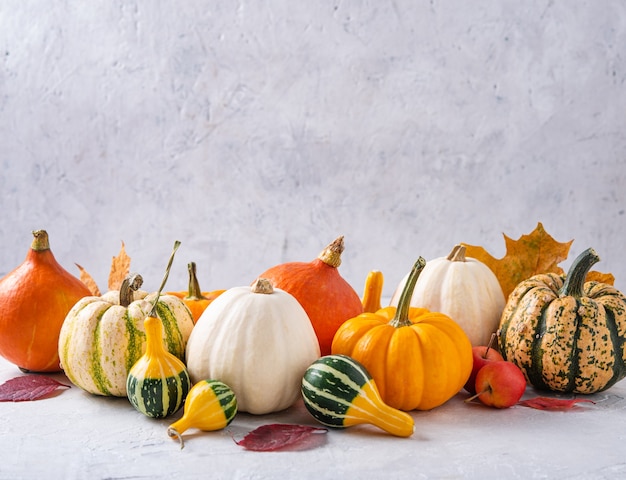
{"x":158,"y":383}
{"x":211,"y":405}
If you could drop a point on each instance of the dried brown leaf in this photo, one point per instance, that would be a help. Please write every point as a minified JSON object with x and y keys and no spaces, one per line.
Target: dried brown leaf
{"x":88,"y":280}
{"x":120,"y":266}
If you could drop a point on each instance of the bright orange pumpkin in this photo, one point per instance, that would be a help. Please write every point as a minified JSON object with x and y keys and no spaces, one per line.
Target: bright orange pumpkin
{"x":34,"y":299}
{"x":195,"y":299}
{"x":327,"y":298}
{"x":419,"y":359}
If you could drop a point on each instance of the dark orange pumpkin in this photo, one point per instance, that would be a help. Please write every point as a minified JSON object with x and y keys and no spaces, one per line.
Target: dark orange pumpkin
{"x":327,"y":298}
{"x":195,"y":299}
{"x":34,"y":300}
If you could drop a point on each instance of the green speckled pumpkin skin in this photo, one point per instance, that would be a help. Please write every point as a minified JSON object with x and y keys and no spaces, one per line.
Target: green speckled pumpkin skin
{"x":565,"y":343}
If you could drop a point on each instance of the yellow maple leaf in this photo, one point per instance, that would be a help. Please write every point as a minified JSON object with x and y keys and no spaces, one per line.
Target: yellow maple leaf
{"x":601,"y":277}
{"x":529,"y":255}
{"x":120,"y":267}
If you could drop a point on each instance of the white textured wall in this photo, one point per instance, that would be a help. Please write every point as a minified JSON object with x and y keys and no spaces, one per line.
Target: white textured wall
{"x":257,"y":132}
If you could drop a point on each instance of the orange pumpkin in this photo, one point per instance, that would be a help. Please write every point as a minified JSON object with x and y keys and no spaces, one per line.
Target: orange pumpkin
{"x":419,"y":359}
{"x":327,"y":298}
{"x":34,"y":299}
{"x":195,"y":299}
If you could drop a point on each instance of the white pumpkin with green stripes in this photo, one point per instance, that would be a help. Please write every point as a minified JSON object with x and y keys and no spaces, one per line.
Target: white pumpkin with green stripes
{"x":102,"y":337}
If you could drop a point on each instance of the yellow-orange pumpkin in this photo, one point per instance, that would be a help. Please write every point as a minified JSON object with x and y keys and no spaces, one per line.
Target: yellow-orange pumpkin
{"x":419,"y":359}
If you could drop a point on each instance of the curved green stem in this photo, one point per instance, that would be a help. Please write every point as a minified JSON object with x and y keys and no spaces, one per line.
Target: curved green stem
{"x":167,"y":274}
{"x":401,"y":318}
{"x":575,"y":278}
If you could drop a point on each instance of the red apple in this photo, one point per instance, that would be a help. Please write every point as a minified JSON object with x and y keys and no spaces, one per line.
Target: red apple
{"x":500,"y":384}
{"x":481,"y":355}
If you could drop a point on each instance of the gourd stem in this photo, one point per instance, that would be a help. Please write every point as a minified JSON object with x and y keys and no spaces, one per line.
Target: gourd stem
{"x":575,"y":278}
{"x":373,"y":292}
{"x":164,"y":281}
{"x":457,"y":254}
{"x":173,"y":433}
{"x":331,"y":255}
{"x":41,"y":241}
{"x":194,"y":292}
{"x":130,"y":284}
{"x":401,"y":318}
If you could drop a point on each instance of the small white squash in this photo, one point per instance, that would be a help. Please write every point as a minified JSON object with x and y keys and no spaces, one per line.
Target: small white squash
{"x":257,"y":340}
{"x":463,"y":288}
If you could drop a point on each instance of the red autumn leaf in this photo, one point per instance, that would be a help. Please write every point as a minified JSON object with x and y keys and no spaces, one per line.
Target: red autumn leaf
{"x":28,"y":387}
{"x":278,"y":436}
{"x":554,"y":404}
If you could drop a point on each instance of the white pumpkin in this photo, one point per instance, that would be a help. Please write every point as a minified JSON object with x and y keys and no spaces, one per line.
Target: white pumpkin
{"x":463,"y":288}
{"x":102,"y":337}
{"x":257,"y":340}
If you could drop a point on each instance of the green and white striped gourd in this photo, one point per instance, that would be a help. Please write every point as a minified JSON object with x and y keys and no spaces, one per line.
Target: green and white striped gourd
{"x":158,"y":383}
{"x":339,"y":392}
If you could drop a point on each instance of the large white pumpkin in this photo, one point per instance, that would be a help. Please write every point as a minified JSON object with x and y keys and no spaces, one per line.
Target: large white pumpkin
{"x":463,"y":288}
{"x":257,"y":340}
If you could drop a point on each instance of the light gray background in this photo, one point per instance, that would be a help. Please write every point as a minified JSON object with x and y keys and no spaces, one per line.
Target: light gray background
{"x":257,"y":132}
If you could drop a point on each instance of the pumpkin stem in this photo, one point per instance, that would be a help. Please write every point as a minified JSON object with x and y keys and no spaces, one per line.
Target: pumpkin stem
{"x":130,"y":284}
{"x":331,"y":255}
{"x":457,"y":254}
{"x":167,"y":274}
{"x":41,"y":241}
{"x":575,"y":278}
{"x":194,"y":292}
{"x":262,"y":285}
{"x":401,"y":318}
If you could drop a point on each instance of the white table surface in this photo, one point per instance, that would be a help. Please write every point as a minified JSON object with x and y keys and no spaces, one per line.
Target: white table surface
{"x":75,"y":435}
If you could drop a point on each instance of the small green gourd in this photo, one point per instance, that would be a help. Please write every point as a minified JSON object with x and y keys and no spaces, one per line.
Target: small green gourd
{"x":158,"y":382}
{"x":211,"y":405}
{"x":339,"y":392}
